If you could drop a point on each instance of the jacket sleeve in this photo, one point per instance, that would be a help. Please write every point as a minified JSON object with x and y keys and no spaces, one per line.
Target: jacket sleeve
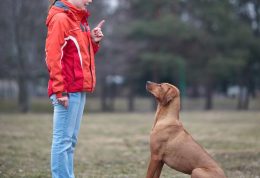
{"x":95,"y":46}
{"x":55,"y":43}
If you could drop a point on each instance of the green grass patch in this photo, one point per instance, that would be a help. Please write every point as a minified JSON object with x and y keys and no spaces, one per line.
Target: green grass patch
{"x":117,"y":145}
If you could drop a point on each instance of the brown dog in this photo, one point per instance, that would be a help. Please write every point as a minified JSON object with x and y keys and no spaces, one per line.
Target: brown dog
{"x":171,"y":144}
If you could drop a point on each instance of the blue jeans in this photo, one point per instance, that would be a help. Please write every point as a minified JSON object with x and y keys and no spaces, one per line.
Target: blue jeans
{"x":66,"y":124}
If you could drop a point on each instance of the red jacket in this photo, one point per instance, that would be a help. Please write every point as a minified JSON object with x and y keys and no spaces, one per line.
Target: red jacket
{"x":69,"y":50}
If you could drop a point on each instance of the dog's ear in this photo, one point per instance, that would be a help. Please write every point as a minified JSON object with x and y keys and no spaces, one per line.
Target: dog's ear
{"x":168,"y":96}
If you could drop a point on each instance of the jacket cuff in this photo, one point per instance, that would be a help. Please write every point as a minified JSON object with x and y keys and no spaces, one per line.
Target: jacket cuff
{"x":61,"y":94}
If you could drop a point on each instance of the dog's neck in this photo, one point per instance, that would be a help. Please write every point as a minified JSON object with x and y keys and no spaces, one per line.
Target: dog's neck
{"x":171,"y":110}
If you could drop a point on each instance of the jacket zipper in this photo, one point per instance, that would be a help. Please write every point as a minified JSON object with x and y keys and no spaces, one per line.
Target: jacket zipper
{"x":90,"y":64}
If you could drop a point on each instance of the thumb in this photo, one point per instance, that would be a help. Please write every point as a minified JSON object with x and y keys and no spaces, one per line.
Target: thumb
{"x":101,"y":24}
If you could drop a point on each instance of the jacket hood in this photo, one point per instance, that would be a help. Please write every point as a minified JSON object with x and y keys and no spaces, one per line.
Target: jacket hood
{"x":66,"y":7}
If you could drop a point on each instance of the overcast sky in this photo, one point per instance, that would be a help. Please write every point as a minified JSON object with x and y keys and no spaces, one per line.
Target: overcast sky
{"x":112,"y":4}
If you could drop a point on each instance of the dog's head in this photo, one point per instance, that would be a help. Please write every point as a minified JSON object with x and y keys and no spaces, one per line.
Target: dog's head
{"x":164,"y":92}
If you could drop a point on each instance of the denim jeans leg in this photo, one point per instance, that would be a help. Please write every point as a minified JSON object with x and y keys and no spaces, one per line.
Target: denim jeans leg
{"x":64,"y":121}
{"x":78,"y":115}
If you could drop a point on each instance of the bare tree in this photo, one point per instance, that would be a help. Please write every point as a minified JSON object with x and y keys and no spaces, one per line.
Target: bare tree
{"x":25,"y":30}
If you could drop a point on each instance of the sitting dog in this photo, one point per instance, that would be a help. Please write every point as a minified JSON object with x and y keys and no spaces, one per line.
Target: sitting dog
{"x":171,"y":144}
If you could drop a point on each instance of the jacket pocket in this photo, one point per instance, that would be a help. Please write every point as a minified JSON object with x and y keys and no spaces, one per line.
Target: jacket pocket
{"x":78,"y":67}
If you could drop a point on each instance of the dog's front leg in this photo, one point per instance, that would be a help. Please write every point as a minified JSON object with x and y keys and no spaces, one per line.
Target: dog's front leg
{"x":158,"y":170}
{"x":154,"y":168}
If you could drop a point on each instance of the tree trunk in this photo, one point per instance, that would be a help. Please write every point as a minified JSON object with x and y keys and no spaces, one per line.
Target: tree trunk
{"x":243,"y":99}
{"x":19,"y":55}
{"x":131,"y":100}
{"x":209,"y":96}
{"x":23,"y":97}
{"x":23,"y":80}
{"x":103,"y":96}
{"x":112,"y":99}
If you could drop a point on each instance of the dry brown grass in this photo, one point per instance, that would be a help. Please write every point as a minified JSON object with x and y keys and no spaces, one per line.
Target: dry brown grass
{"x":117,"y":145}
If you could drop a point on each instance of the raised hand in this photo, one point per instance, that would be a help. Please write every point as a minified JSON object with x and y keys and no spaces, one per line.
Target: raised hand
{"x":96,"y":33}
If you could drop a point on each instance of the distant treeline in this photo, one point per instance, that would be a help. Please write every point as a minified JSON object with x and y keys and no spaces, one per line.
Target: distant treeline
{"x":202,"y":45}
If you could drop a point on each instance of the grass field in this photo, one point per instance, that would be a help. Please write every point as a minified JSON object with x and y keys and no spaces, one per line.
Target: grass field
{"x":117,"y":145}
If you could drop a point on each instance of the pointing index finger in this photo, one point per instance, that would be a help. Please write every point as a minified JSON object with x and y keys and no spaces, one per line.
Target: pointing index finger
{"x":101,"y":24}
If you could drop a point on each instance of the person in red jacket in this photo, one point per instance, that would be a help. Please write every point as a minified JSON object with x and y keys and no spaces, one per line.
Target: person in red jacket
{"x":70,"y":52}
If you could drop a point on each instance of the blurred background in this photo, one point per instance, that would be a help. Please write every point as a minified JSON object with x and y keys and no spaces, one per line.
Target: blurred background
{"x":209,"y":49}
